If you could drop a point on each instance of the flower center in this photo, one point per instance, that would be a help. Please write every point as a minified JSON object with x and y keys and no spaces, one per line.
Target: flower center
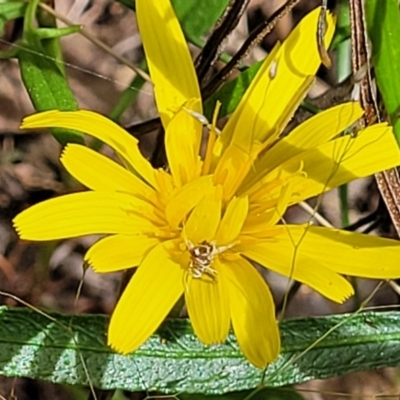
{"x":201,"y":259}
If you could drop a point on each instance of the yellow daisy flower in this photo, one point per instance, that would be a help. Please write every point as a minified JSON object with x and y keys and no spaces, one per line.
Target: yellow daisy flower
{"x":193,"y":231}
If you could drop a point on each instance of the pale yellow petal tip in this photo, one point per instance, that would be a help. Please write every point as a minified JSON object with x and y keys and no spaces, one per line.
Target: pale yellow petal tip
{"x":264,"y":352}
{"x":87,"y":263}
{"x":17,"y":227}
{"x":118,"y":349}
{"x":37,"y":120}
{"x":261,"y":361}
{"x":344,"y":296}
{"x":20,"y":226}
{"x":67,"y":149}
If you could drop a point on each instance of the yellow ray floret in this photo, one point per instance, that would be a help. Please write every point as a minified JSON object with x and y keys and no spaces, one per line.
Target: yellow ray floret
{"x":170,"y":64}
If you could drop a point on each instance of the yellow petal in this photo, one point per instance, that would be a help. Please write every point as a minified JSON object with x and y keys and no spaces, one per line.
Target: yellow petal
{"x":232,"y":221}
{"x":266,"y":191}
{"x":85,"y":164}
{"x":231,"y":170}
{"x":170,"y":64}
{"x":315,"y":131}
{"x":84,"y":213}
{"x":207,"y":302}
{"x":244,"y":110}
{"x":182,"y":141}
{"x":337,"y":162}
{"x":101,"y":128}
{"x":165,"y":186}
{"x":153,"y":290}
{"x":281,"y":83}
{"x":252,"y":312}
{"x":286,"y":255}
{"x":345,"y":252}
{"x":185,"y":199}
{"x":203,"y":222}
{"x":346,"y":159}
{"x":118,"y":252}
{"x":260,"y":219}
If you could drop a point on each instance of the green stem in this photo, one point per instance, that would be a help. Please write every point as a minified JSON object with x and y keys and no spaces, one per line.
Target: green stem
{"x":344,"y":208}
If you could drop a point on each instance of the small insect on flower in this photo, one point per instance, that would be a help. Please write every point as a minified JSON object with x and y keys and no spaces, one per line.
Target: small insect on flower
{"x":273,"y":69}
{"x":201,"y":259}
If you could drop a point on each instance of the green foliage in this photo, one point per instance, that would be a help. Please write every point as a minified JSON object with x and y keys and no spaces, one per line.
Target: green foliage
{"x":196,"y":17}
{"x":10,"y":11}
{"x":231,"y":92}
{"x":258,"y":394}
{"x":41,"y":73}
{"x":383,"y":19}
{"x":72,"y":350}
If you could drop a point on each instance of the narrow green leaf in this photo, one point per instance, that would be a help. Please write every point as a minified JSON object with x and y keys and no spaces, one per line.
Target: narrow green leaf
{"x":174,"y":361}
{"x":51,"y":33}
{"x":128,"y":3}
{"x":47,"y":87}
{"x":343,"y":30}
{"x":42,"y":76}
{"x":343,"y":44}
{"x":9,"y":11}
{"x":129,"y":95}
{"x":195,"y":16}
{"x":383,"y":20}
{"x":231,"y":92}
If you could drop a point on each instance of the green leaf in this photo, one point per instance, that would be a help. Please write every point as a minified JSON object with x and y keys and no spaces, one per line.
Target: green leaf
{"x":43,"y":77}
{"x":277,"y":394}
{"x":128,"y":3}
{"x":53,"y":347}
{"x":231,"y":92}
{"x":383,"y":21}
{"x":196,"y":16}
{"x":47,"y":87}
{"x":9,"y":11}
{"x":52,"y":33}
{"x":228,"y":396}
{"x":129,"y":95}
{"x":257,"y":394}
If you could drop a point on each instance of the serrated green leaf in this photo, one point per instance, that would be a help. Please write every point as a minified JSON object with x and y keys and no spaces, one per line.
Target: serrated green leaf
{"x":174,"y":361}
{"x":256,"y":394}
{"x":228,"y":396}
{"x":383,"y":20}
{"x":277,"y":394}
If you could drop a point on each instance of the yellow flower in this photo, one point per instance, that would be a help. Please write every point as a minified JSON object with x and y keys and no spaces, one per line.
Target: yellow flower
{"x":193,"y":231}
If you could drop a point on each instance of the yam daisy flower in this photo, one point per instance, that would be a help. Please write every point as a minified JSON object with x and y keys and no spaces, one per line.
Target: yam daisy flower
{"x":194,"y":231}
